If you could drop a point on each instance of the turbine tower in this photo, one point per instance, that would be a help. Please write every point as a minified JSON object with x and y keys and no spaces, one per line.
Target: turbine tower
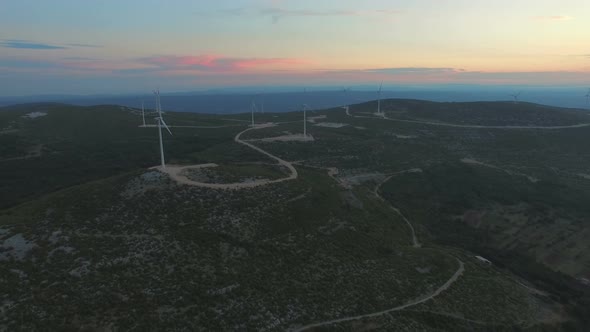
{"x":515,"y":96}
{"x":161,"y":124}
{"x":252,"y":109}
{"x":346,"y":107}
{"x":379,"y":100}
{"x":305,"y":120}
{"x":588,"y":98}
{"x":142,"y":114}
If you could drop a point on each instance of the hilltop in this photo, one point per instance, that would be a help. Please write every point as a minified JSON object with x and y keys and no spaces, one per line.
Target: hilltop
{"x":379,"y":228}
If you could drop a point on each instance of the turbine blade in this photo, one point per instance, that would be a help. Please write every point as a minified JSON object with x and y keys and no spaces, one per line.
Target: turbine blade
{"x":165,"y":125}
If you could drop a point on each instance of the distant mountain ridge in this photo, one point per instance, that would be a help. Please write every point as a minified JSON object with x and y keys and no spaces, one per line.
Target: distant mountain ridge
{"x":226,"y":102}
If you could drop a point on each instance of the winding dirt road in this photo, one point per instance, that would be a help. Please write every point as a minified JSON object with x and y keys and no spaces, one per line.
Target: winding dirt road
{"x":412,"y":303}
{"x":446,"y":124}
{"x":415,"y":242}
{"x":176,"y":172}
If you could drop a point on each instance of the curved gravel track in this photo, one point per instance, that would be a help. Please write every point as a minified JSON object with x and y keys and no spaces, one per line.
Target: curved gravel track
{"x":175,"y":172}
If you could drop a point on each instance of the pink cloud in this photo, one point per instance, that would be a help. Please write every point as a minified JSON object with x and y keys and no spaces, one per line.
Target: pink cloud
{"x":220,"y":63}
{"x":176,"y":61}
{"x":554,"y":18}
{"x":256,"y":63}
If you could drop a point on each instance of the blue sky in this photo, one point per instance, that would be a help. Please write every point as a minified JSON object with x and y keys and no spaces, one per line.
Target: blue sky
{"x":88,"y":47}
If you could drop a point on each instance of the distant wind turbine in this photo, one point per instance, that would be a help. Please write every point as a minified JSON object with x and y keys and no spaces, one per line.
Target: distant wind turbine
{"x":142,"y":113}
{"x":305,"y":107}
{"x":588,"y":98}
{"x":346,"y":107}
{"x":161,"y":124}
{"x":379,"y":100}
{"x":515,"y":96}
{"x":252,"y":109}
{"x":262,"y":100}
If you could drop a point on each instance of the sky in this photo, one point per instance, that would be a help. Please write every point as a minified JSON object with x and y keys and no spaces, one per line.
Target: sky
{"x":129,"y":46}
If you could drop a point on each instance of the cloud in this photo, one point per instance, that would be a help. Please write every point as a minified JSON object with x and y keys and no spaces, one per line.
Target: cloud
{"x":216,"y":63}
{"x":162,"y":65}
{"x":414,"y":70}
{"x":24,"y":44}
{"x":227,"y":70}
{"x":32,"y":45}
{"x":553,"y":18}
{"x":84,"y":45}
{"x":15,"y":63}
{"x":277,"y":13}
{"x":78,"y":58}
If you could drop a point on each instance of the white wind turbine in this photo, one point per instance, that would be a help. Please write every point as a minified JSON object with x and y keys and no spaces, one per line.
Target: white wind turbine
{"x":305,"y":107}
{"x":346,"y":107}
{"x":252,"y":109}
{"x":161,"y":124}
{"x":142,"y":114}
{"x":379,"y":100}
{"x":588,"y":98}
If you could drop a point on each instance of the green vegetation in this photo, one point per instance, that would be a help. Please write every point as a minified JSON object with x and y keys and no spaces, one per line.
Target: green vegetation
{"x":237,"y":173}
{"x":91,"y":238}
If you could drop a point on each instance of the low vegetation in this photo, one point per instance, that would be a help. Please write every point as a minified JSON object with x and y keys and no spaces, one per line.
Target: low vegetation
{"x":92,"y":238}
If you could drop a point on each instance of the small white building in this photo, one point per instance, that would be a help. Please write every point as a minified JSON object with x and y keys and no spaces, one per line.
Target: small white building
{"x":483,"y":260}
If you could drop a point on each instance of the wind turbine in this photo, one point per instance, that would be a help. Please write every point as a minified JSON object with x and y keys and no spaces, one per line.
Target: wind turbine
{"x":379,"y":100}
{"x":262,"y":102}
{"x":161,"y":124}
{"x":345,"y":91}
{"x":515,"y":96}
{"x":588,"y":98}
{"x":252,"y":109}
{"x":305,"y":107}
{"x":142,"y":114}
{"x":346,"y":107}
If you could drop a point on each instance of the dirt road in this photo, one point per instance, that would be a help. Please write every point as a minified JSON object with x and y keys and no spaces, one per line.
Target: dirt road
{"x":176,"y":172}
{"x":445,"y":124}
{"x":437,"y":292}
{"x":415,"y":242}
